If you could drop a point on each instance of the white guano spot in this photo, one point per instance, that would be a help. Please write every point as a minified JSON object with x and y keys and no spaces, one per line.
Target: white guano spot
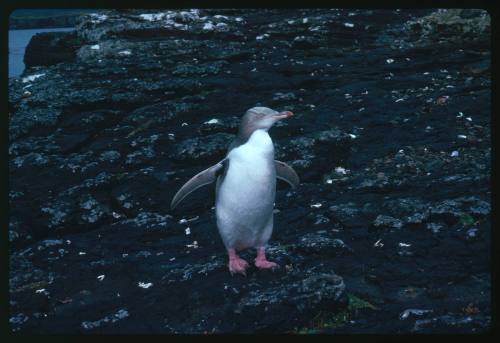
{"x":212,"y":121}
{"x":194,"y":245}
{"x":340,"y":170}
{"x":208,"y":26}
{"x":152,"y":16}
{"x":97,"y":18}
{"x":32,"y":77}
{"x":95,"y":47}
{"x":406,"y":313}
{"x":348,"y":24}
{"x":145,"y":285}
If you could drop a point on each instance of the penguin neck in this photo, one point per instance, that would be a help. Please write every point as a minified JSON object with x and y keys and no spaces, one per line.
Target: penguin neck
{"x":260,"y":141}
{"x":258,"y":145}
{"x":246,"y":130}
{"x":244,"y":133}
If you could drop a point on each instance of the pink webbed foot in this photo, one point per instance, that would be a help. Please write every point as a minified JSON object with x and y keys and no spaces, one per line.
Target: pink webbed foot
{"x":261,"y":261}
{"x":236,"y":263}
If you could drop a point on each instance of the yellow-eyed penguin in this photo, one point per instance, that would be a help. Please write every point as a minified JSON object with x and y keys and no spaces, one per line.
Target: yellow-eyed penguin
{"x":246,"y":188}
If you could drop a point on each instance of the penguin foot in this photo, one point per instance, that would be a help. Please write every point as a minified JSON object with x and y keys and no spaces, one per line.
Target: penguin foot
{"x":265,"y":264}
{"x":261,"y":261}
{"x":236,"y":263}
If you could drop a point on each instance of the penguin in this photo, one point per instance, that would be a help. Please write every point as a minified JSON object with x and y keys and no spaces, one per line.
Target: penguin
{"x":246,"y":188}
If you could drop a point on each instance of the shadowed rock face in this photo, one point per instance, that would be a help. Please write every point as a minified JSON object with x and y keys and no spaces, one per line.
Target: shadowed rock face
{"x":389,"y":231}
{"x":49,"y":48}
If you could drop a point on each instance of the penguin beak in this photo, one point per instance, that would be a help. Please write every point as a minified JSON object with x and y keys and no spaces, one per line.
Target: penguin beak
{"x":282,"y":115}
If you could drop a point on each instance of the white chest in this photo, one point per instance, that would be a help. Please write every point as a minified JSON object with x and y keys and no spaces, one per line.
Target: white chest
{"x":258,"y":146}
{"x":251,"y":171}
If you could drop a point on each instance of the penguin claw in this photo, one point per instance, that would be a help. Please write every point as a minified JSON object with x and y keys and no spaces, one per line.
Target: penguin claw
{"x":238,"y":266}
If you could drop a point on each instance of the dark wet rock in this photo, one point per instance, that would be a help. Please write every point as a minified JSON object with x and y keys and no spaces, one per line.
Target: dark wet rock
{"x":119,"y":315}
{"x":303,"y":152}
{"x":214,"y":125}
{"x":472,"y":234}
{"x":321,"y":244}
{"x":318,"y":219}
{"x":211,"y":68}
{"x":211,"y":148}
{"x":445,"y":27}
{"x":452,"y":24}
{"x":457,"y":322}
{"x":17,"y":321}
{"x":17,"y":234}
{"x":300,"y":297}
{"x":283,"y":98}
{"x":195,"y":270}
{"x":417,"y":218}
{"x":413,"y":312}
{"x":48,"y":48}
{"x":93,"y":211}
{"x":391,"y":127}
{"x":435,"y":227}
{"x":347,"y":214}
{"x":383,"y":221}
{"x":146,"y":219}
{"x":303,"y":42}
{"x":28,"y":280}
{"x":454,"y":209}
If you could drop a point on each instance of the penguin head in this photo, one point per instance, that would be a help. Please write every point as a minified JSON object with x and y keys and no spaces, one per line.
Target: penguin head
{"x":262,"y":118}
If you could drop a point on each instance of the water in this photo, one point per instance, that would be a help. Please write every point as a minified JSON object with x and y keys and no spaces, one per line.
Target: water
{"x":18,"y":40}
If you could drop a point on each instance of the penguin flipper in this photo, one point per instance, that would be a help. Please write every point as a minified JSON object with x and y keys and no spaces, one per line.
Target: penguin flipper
{"x":286,"y":173}
{"x":203,"y":178}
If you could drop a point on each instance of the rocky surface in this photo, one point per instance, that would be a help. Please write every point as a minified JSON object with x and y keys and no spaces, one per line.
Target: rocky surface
{"x":48,"y":48}
{"x":389,"y":231}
